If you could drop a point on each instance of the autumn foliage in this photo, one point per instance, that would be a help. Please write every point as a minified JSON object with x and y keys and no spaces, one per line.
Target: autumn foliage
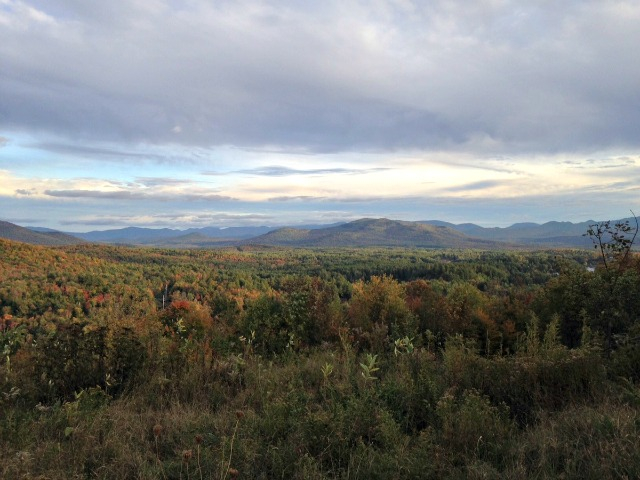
{"x":275,"y":363}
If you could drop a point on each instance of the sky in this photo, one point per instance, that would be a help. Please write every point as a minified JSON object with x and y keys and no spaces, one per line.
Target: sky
{"x":166,"y":113}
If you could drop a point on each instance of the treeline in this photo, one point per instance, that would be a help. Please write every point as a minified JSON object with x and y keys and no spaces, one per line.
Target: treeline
{"x":363,"y":363}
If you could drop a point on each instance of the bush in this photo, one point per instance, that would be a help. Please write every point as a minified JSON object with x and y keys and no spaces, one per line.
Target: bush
{"x":71,"y":358}
{"x":472,"y":427}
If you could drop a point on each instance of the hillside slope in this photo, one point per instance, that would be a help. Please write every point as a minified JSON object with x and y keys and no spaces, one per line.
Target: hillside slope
{"x":14,"y":232}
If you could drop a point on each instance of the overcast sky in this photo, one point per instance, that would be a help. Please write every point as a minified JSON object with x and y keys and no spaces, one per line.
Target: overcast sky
{"x":192,"y":113}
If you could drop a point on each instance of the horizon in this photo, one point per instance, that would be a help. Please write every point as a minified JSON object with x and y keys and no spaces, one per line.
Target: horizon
{"x":162,"y":115}
{"x":322,"y":225}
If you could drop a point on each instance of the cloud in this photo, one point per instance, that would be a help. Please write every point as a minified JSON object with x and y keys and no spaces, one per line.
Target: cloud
{"x":3,"y":141}
{"x":184,"y":219}
{"x":602,"y":163}
{"x":334,"y":76}
{"x":295,"y":198}
{"x":84,"y":150}
{"x":364,"y":199}
{"x":25,"y":220}
{"x":136,"y":195}
{"x":482,"y":185}
{"x":120,"y":155}
{"x":162,"y":182}
{"x":280,"y":171}
{"x":119,"y":195}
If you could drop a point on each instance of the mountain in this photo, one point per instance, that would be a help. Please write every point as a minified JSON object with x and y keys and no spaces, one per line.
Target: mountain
{"x":372,"y":232}
{"x":230,"y":232}
{"x":170,"y":237}
{"x":161,"y":236}
{"x":47,"y":237}
{"x":466,"y":228}
{"x":532,"y":234}
{"x":193,"y":240}
{"x":42,"y":229}
{"x":363,"y":232}
{"x":128,"y":234}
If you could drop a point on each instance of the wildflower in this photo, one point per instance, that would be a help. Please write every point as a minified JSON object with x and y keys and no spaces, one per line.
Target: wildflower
{"x":233,"y":472}
{"x":239,"y":414}
{"x":157,"y":430}
{"x":198,"y":439}
{"x":186,"y":455}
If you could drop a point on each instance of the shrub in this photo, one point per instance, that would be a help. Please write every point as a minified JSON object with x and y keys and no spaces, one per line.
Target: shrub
{"x":71,"y":358}
{"x":473,"y":427}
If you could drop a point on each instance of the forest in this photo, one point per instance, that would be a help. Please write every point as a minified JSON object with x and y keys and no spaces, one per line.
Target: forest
{"x":318,"y":363}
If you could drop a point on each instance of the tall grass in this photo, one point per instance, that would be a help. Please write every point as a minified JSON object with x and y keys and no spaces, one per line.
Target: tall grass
{"x":461,"y":415}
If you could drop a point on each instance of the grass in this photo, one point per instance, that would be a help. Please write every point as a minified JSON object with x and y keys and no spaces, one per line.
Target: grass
{"x":286,"y":419}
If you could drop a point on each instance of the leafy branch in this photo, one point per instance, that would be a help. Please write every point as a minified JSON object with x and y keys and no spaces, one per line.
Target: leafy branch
{"x":614,"y":240}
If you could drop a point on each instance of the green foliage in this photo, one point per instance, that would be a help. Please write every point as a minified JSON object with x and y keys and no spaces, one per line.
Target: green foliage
{"x":369,"y":367}
{"x":581,"y":442}
{"x":265,"y":322}
{"x":71,"y":358}
{"x":377,"y":309}
{"x":473,"y":427}
{"x":125,"y":360}
{"x":625,"y":360}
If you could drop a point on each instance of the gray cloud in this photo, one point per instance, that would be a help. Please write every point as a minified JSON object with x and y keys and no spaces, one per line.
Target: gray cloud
{"x":96,"y":222}
{"x":84,"y":150}
{"x":601,"y":163}
{"x":117,"y":195}
{"x":217,"y":216}
{"x":296,"y":198}
{"x":161,"y":181}
{"x":279,"y":171}
{"x":326,"y":77}
{"x":611,"y":187}
{"x":134,"y":195}
{"x":25,"y":220}
{"x":114,"y":154}
{"x":164,"y":220}
{"x":482,"y":185}
{"x":346,"y":200}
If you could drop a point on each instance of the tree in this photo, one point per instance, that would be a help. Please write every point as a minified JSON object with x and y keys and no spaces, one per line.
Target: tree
{"x":378,"y":310}
{"x":614,"y":241}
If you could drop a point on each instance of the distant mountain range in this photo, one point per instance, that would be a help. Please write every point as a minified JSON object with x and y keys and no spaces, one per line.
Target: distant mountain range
{"x":168,"y":236}
{"x":548,"y":234}
{"x":363,"y":232}
{"x":189,"y":238}
{"x":367,"y":232}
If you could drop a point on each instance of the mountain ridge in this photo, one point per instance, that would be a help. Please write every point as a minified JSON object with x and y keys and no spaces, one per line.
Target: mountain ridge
{"x":373,"y":232}
{"x":362,"y":232}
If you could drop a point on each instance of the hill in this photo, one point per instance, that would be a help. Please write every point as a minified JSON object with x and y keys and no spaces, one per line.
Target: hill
{"x":369,"y":232}
{"x":14,"y":232}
